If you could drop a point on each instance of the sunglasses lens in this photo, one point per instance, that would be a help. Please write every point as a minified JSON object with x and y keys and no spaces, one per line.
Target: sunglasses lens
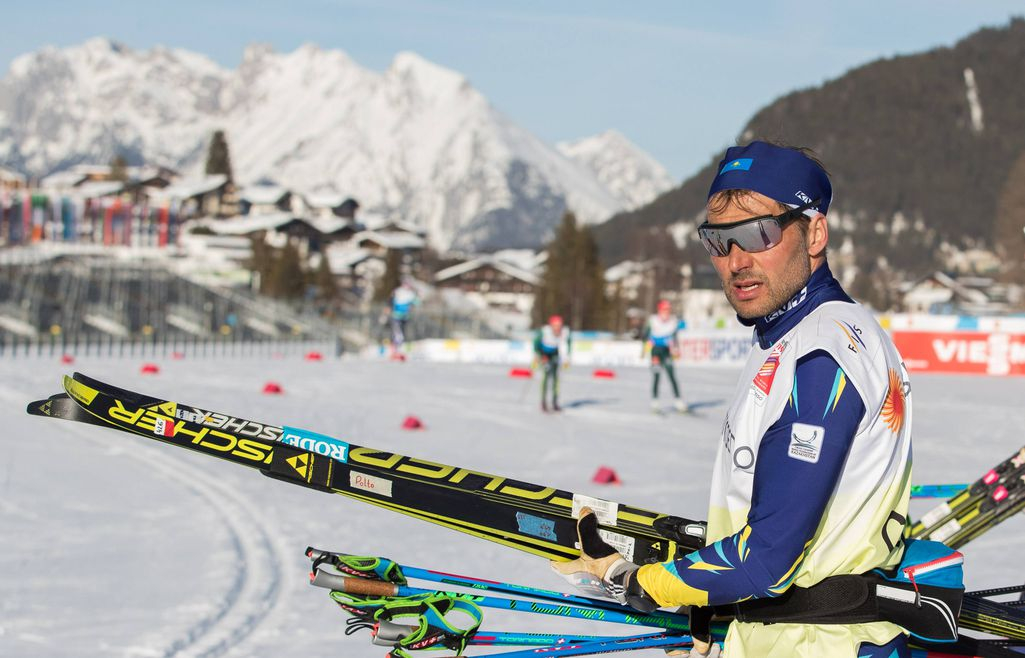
{"x":754,"y":236}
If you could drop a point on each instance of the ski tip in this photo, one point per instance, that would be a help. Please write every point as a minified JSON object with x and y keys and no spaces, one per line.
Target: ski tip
{"x":38,"y":407}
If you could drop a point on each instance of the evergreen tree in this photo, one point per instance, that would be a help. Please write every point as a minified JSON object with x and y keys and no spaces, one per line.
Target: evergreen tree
{"x":119,"y":168}
{"x":324,"y":280}
{"x":218,"y":160}
{"x":261,"y":262}
{"x":573,"y":282}
{"x":287,"y":278}
{"x":1009,"y":226}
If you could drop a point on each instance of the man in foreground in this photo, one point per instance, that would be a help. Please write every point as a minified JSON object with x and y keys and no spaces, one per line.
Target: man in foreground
{"x":813,"y":473}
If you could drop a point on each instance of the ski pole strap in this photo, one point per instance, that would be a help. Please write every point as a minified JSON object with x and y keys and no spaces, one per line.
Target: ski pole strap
{"x":360,"y":606}
{"x":922,"y":594}
{"x":363,"y":566}
{"x":431,"y":623}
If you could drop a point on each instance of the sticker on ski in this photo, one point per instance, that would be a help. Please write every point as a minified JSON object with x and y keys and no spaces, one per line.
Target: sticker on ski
{"x":606,"y":510}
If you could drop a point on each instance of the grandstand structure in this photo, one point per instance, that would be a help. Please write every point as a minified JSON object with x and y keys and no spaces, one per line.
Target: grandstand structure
{"x":93,"y":296}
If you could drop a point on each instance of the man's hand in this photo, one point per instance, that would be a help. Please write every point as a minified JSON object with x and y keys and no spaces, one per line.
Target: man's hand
{"x":701,"y":634}
{"x":602,"y":570}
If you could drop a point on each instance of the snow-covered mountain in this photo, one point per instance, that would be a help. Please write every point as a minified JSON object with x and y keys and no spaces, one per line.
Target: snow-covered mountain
{"x":633,"y":176}
{"x":417,"y":141}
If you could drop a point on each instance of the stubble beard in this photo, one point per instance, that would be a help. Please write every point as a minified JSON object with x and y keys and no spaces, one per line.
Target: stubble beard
{"x":778,"y":292}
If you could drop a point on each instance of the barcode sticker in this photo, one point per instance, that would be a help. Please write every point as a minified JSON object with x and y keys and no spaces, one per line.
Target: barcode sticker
{"x":622,"y":543}
{"x":606,"y":510}
{"x":189,"y":416}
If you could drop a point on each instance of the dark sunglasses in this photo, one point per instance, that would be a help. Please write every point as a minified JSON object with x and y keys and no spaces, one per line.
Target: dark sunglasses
{"x":752,"y":235}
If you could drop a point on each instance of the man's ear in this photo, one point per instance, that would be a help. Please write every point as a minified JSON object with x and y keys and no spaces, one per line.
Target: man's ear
{"x":818,"y":236}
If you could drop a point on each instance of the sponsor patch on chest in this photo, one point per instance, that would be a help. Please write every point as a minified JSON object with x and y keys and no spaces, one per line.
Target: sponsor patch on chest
{"x":806,"y":442}
{"x":762,"y":383}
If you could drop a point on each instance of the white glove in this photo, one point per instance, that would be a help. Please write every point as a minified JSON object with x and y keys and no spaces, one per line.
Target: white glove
{"x":600,"y":570}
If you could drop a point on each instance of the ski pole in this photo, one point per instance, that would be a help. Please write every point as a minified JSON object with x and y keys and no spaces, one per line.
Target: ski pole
{"x":386,"y":633}
{"x":936,"y":490}
{"x":318,"y":557}
{"x":378,"y":588}
{"x":629,"y":643}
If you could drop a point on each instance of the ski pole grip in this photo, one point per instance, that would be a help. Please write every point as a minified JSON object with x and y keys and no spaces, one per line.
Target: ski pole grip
{"x":321,"y":578}
{"x":316,"y":553}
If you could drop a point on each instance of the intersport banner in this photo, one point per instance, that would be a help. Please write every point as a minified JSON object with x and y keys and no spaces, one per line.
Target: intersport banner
{"x":969,"y":352}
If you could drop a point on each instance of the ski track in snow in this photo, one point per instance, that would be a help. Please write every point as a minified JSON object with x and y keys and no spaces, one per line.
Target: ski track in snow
{"x":256,"y":587}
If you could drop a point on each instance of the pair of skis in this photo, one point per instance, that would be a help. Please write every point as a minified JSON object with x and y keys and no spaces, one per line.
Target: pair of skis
{"x":537,"y":519}
{"x":998,"y":495}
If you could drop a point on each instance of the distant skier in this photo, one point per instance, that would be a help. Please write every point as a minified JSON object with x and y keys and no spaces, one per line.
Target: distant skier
{"x":403,"y":299}
{"x":661,"y":335}
{"x":552,"y":343}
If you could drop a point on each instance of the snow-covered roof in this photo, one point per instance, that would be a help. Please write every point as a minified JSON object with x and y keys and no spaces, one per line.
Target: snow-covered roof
{"x":379,"y":223}
{"x":263,"y":194}
{"x":62,"y":180}
{"x":483,"y":261}
{"x":328,"y":225}
{"x":341,"y":261}
{"x":245,"y":224}
{"x":97,"y":188}
{"x":623,"y":269}
{"x":391,"y":239}
{"x":145,"y":172}
{"x":922,"y":288}
{"x":191,"y":187}
{"x":526,"y":259}
{"x":324,"y":199}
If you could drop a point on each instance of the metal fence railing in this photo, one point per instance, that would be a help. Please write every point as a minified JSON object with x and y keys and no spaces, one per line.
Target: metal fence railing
{"x":15,"y":347}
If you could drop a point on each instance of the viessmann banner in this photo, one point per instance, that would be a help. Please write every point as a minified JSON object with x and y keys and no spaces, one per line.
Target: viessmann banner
{"x":969,"y":352}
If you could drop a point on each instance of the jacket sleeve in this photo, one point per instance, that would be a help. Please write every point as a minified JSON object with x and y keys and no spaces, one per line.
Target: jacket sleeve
{"x":800,"y":458}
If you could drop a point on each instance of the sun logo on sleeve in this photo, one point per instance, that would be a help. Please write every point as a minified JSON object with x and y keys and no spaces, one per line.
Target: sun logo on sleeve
{"x":893,"y":404}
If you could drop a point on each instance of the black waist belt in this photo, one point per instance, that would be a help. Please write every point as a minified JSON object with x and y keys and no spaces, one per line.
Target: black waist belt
{"x":926,"y":611}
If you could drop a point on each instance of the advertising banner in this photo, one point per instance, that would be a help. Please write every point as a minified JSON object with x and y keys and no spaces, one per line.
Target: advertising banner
{"x":969,"y":352}
{"x":723,"y":348}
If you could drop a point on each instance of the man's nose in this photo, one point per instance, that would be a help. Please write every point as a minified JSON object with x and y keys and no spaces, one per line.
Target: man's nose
{"x":738,"y":259}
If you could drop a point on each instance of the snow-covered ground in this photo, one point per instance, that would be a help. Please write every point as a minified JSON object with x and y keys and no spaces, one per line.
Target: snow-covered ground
{"x":116,"y":546}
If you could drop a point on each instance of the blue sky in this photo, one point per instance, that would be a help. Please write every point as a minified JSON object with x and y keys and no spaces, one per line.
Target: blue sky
{"x":678,"y":78}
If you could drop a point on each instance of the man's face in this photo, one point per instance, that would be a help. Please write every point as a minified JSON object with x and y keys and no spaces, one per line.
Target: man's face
{"x":758,"y":284}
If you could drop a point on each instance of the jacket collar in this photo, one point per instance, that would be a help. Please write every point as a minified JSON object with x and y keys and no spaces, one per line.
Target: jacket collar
{"x":821,"y":288}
